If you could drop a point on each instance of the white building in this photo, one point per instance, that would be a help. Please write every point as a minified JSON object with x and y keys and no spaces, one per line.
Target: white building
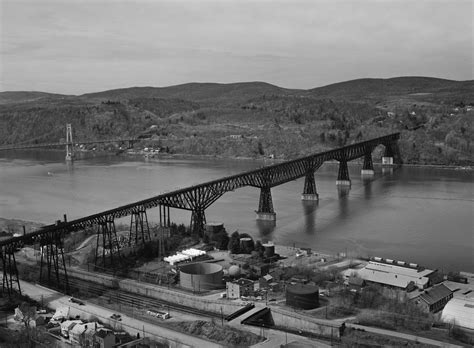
{"x":459,"y":311}
{"x":392,"y":275}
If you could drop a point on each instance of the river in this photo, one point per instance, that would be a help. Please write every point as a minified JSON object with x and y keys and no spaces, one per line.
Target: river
{"x":416,"y":214}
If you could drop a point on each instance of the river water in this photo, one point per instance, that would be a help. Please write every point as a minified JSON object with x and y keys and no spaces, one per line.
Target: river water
{"x":420,"y":215}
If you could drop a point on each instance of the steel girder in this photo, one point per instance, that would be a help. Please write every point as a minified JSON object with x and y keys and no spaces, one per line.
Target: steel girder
{"x":199,"y":197}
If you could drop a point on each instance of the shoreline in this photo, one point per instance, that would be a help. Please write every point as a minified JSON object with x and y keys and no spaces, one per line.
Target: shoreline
{"x":270,"y":161}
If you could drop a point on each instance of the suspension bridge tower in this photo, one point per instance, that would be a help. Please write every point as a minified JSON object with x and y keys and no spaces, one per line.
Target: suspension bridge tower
{"x":69,"y":144}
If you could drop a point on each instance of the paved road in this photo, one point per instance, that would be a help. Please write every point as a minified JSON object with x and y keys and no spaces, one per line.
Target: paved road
{"x":403,"y":336}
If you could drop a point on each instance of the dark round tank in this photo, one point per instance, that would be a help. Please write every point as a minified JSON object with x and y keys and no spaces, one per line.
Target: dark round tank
{"x":269,"y":250}
{"x":246,"y":243}
{"x":200,"y":276}
{"x":302,"y":296}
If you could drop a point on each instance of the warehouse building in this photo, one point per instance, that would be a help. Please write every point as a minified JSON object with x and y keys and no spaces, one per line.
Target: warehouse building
{"x":459,"y":311}
{"x":434,"y":299}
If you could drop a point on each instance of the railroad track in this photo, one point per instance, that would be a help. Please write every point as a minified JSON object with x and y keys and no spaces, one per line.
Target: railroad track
{"x":125,"y":298}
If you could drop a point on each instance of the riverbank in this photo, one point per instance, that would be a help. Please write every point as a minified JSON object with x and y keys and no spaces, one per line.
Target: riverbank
{"x":16,"y":226}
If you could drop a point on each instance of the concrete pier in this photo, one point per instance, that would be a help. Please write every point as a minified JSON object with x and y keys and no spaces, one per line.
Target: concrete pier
{"x":265,"y":216}
{"x":309,"y":197}
{"x":367,"y":172}
{"x":387,"y":161}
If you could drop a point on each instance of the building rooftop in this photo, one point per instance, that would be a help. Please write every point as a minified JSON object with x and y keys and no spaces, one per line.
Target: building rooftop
{"x":243,"y":282}
{"x":435,"y":294}
{"x":460,"y":311}
{"x":393,"y":275}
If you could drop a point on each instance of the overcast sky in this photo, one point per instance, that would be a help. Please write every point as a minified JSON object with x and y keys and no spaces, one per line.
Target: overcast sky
{"x":75,"y":47}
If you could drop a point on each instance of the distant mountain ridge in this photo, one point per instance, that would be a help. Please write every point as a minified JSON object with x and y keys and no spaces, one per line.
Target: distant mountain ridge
{"x":238,"y":92}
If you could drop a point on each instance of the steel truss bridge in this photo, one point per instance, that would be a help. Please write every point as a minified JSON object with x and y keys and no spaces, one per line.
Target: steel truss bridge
{"x":195,"y":198}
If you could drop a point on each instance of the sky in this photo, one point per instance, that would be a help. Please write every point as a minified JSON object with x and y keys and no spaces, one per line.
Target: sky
{"x":75,"y":47}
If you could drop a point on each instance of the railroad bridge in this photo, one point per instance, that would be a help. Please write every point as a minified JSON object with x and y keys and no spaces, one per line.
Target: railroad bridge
{"x":195,"y":198}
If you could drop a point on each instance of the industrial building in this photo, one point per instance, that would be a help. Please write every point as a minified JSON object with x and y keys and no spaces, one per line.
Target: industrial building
{"x":393,"y":275}
{"x":459,"y":311}
{"x":434,"y":299}
{"x":302,"y":296}
{"x":240,"y":287}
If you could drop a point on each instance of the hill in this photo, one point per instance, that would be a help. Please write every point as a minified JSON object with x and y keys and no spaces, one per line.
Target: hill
{"x":255,"y":119}
{"x":198,"y":92}
{"x":24,"y":97}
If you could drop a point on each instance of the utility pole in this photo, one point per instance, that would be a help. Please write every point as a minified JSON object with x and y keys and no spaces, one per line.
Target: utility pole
{"x":222,"y":317}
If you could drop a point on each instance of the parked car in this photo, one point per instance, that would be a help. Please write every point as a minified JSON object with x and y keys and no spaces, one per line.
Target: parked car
{"x":75,"y":300}
{"x":117,"y":317}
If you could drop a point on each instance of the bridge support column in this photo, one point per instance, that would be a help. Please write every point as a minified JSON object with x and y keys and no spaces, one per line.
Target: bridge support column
{"x":265,"y":207}
{"x":198,"y":221}
{"x":110,"y":246}
{"x":368,"y":166}
{"x":309,"y":191}
{"x":139,"y":227}
{"x":343,"y":174}
{"x":391,"y":155}
{"x":69,"y":144}
{"x":10,"y":271}
{"x":52,"y":257}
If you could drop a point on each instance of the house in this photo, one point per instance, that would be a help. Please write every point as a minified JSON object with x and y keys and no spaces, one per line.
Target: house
{"x":434,"y":299}
{"x":355,"y":283}
{"x":75,"y":334}
{"x":240,"y":287}
{"x":104,"y":339}
{"x":66,"y":327}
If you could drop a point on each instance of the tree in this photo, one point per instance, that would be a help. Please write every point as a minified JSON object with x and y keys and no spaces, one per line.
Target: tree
{"x":26,"y":314}
{"x":234,"y":243}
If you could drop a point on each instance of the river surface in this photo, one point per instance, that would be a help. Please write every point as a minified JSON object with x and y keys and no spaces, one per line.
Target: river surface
{"x":420,"y":215}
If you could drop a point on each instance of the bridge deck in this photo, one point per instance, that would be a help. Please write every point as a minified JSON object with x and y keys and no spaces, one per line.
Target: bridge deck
{"x":201,"y":196}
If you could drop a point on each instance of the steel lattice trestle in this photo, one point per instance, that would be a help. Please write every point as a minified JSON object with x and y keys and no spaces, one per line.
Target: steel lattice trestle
{"x":164,"y":216}
{"x":10,"y":271}
{"x":368,"y":164}
{"x":198,"y":220}
{"x":52,"y":257}
{"x":198,"y":198}
{"x":139,"y":228}
{"x":343,"y":173}
{"x":265,"y":204}
{"x":110,"y":245}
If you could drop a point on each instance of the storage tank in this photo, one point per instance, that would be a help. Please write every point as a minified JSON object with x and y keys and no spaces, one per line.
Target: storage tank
{"x":302,"y":296}
{"x":269,"y":249}
{"x":246,"y":243}
{"x":234,"y":271}
{"x":200,"y":276}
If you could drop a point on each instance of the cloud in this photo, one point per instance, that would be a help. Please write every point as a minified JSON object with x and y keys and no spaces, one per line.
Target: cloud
{"x":283,"y":42}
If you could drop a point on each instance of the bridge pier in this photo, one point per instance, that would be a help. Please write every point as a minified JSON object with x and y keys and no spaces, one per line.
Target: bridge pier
{"x":265,"y":210}
{"x":198,"y":221}
{"x":392,"y":155}
{"x":368,"y":166}
{"x":309,"y":191}
{"x":10,"y":271}
{"x":343,"y":174}
{"x":106,"y":229}
{"x":52,"y":257}
{"x":139,"y":226}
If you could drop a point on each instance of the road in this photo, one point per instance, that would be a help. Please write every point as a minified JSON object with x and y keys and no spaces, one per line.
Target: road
{"x":403,"y":336}
{"x":133,"y":325}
